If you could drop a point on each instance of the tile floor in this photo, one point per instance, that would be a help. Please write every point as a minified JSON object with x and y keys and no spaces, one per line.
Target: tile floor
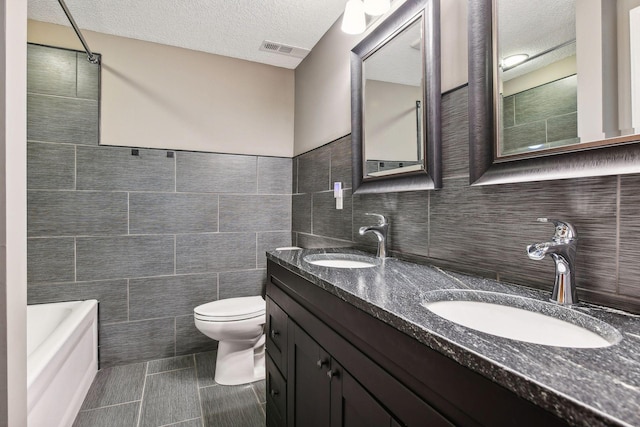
{"x":177,"y":391}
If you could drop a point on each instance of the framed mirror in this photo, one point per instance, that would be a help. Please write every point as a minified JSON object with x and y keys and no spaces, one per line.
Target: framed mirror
{"x":571,"y":106}
{"x":395,"y":102}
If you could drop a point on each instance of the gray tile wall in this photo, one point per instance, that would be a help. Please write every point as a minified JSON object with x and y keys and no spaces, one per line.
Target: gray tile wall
{"x":148,"y":236}
{"x":481,"y":230}
{"x":546,"y":114}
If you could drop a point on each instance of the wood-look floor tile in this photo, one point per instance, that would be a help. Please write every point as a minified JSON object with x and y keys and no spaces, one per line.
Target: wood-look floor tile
{"x":170,"y":397}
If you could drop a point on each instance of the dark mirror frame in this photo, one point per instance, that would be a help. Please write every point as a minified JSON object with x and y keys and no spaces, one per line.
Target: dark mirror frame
{"x":591,"y":159}
{"x":431,"y":178}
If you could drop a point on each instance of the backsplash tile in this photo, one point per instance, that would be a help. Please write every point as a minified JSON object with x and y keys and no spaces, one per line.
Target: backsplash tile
{"x":408,"y":230}
{"x":629,"y":235}
{"x":301,"y":213}
{"x":312,"y":241}
{"x":269,"y":240}
{"x":314,"y":170}
{"x":329,"y":221}
{"x":216,"y":173}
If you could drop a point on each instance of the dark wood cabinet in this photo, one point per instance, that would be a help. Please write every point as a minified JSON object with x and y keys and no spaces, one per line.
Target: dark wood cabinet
{"x":341,"y":367}
{"x":310,"y":370}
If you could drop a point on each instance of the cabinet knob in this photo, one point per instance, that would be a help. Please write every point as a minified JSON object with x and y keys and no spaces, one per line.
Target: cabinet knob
{"x":332,"y":373}
{"x":274,"y":392}
{"x":274,"y":333}
{"x":321,"y":362}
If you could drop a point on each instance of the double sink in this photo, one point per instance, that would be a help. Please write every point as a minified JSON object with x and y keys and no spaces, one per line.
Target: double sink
{"x":508,"y":316}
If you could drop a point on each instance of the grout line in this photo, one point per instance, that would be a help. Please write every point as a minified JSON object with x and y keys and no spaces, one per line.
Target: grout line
{"x":170,"y":370}
{"x":144,"y":386}
{"x":75,"y":260}
{"x":109,"y":406}
{"x":195,"y":367}
{"x":75,"y":167}
{"x":618,"y":215}
{"x":128,"y":300}
{"x":255,"y":393}
{"x":179,"y":422}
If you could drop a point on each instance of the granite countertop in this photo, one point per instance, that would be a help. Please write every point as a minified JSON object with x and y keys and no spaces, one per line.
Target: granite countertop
{"x":585,"y":387}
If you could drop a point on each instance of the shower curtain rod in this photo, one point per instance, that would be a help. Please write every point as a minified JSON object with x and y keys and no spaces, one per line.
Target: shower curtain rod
{"x":90,"y":56}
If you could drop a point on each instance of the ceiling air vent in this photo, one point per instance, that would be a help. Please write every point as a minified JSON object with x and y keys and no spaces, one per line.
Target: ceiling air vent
{"x":283,"y":49}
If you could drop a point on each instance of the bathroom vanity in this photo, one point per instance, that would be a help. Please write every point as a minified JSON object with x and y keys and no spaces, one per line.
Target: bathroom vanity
{"x":355,"y":347}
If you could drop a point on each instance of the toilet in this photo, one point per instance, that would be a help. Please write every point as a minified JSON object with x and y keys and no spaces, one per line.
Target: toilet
{"x":238,"y":325}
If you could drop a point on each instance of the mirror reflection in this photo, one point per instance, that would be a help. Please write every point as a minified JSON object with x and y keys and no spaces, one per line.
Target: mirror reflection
{"x":568,"y":74}
{"x":394,"y":105}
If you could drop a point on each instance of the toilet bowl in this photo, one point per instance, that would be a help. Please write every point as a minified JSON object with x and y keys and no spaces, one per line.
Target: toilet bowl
{"x":238,"y":326}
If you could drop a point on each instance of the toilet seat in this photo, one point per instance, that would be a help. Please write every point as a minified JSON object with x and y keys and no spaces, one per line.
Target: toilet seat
{"x":231,"y":309}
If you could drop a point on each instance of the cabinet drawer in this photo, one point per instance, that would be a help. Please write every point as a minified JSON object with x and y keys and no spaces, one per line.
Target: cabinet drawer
{"x":276,"y":395}
{"x":277,"y":335}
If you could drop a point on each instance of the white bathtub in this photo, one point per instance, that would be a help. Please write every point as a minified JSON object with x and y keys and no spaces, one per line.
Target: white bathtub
{"x":62,"y":360}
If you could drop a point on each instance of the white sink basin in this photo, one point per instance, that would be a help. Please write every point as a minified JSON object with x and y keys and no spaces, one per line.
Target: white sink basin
{"x":338,"y":260}
{"x":523,"y":319}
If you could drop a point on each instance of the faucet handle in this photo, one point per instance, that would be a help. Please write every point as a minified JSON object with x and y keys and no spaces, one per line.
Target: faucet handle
{"x":381,"y":218}
{"x":564,"y":230}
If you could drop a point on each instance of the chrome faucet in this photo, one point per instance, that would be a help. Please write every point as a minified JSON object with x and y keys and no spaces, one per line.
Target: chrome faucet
{"x":562,"y":248}
{"x":380,"y":232}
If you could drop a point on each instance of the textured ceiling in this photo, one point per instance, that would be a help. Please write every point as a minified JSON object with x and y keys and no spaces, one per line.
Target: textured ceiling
{"x":532,"y":27}
{"x":234,"y":28}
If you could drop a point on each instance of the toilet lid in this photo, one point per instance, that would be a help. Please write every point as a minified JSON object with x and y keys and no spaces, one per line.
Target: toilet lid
{"x":232,"y":309}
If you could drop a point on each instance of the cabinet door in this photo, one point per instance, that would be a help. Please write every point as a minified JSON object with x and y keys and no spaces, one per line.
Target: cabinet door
{"x":276,"y":395}
{"x":276,"y":330}
{"x":353,"y":406}
{"x":309,"y":395}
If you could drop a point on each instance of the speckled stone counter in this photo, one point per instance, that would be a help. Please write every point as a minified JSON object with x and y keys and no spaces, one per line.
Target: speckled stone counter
{"x":586,"y":387}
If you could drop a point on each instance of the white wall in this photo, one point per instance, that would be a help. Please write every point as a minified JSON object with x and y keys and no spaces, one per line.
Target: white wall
{"x":13,"y":211}
{"x":160,"y":96}
{"x":390,"y":125}
{"x":322,"y":82}
{"x":564,"y":68}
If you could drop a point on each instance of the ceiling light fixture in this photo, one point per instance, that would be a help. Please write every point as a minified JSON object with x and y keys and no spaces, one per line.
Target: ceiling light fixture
{"x":513,"y":60}
{"x":376,"y":7}
{"x":353,"y":20}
